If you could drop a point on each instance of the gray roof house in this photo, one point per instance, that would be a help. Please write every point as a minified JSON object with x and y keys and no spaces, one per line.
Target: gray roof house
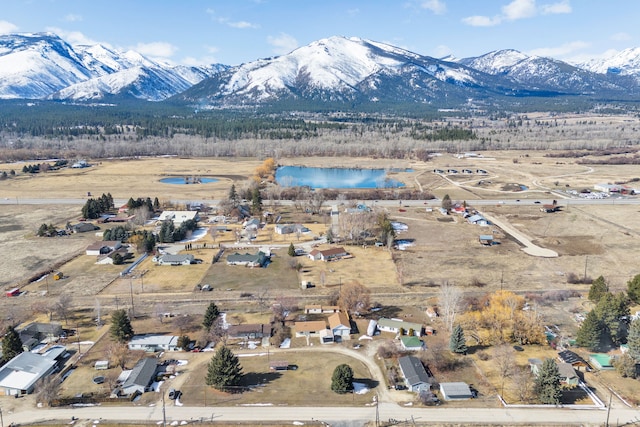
{"x":152,"y":342}
{"x":415,"y":375}
{"x":103,"y":247}
{"x":248,"y":260}
{"x":20,"y":374}
{"x":170,"y":259}
{"x":140,"y":376}
{"x":36,"y":332}
{"x":455,"y":391}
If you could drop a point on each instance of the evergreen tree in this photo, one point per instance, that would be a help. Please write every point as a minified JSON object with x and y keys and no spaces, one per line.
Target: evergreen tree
{"x":117,"y":259}
{"x":224,"y":370}
{"x":256,"y":201}
{"x":598,"y":288}
{"x":342,"y":379}
{"x":210,"y":316}
{"x":11,"y":344}
{"x":446,"y":202}
{"x":183,"y":342}
{"x":330,"y":235}
{"x":633,"y":289}
{"x":156,"y":204}
{"x":547,"y":383}
{"x":233,"y":195}
{"x":457,"y":342}
{"x":590,"y":334}
{"x":292,"y":250}
{"x":633,"y":340}
{"x":613,"y":311}
{"x":121,"y":329}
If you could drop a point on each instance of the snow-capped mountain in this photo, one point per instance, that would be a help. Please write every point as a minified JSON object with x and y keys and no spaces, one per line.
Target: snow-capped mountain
{"x":41,"y":66}
{"x":343,"y":69}
{"x":626,"y":63}
{"x":547,"y":74}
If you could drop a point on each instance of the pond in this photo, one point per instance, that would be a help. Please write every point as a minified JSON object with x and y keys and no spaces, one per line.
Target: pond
{"x":183,"y":180}
{"x":297,"y":176}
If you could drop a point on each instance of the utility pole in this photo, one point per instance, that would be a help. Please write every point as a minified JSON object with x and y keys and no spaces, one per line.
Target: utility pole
{"x":133,"y":312}
{"x":586,"y":258}
{"x":78,"y":337}
{"x":1,"y":420}
{"x":164,"y":414}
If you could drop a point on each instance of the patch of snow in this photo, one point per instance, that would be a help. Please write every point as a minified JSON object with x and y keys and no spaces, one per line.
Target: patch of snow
{"x":298,"y":423}
{"x":359,"y":388}
{"x":251,"y":355}
{"x":182,"y":362}
{"x":197,"y":234}
{"x":257,"y":404}
{"x":155,"y":386}
{"x":286,"y":343}
{"x":86,"y":343}
{"x":365,"y":337}
{"x":178,"y":403}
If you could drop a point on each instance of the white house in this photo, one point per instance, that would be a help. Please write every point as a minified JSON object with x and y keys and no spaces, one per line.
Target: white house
{"x":327,"y":254}
{"x":179,"y":259}
{"x":153,"y":342}
{"x":395,"y":325}
{"x":103,"y":247}
{"x":339,"y":325}
{"x":178,"y":217}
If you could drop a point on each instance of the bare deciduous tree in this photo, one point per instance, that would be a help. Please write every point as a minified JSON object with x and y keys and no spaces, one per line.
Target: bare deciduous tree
{"x":449,"y":299}
{"x":355,"y":298}
{"x":523,"y":384}
{"x":47,"y":389}
{"x":118,"y":354}
{"x":62,"y":307}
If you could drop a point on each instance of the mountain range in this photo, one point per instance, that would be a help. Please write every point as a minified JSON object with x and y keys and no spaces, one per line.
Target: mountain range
{"x":334,"y":71}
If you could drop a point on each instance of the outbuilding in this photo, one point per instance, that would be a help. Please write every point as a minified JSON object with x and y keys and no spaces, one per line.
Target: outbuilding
{"x":455,"y":391}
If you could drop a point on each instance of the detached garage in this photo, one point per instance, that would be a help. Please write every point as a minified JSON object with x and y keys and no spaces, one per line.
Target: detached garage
{"x":455,"y":391}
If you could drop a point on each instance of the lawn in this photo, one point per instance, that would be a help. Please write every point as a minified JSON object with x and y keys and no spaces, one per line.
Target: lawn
{"x":309,"y":385}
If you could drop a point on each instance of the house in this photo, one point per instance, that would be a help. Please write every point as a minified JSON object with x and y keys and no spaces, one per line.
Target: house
{"x":153,"y":342}
{"x":310,"y":328}
{"x":250,"y":331}
{"x":327,"y":254}
{"x":248,"y":260}
{"x":36,"y":332}
{"x":20,"y":375}
{"x":415,"y":375}
{"x":573,"y":359}
{"x":108,"y":258}
{"x":411,"y":343}
{"x":140,"y":377}
{"x":568,"y":375}
{"x":251,"y":224}
{"x":170,"y":259}
{"x":455,"y":391}
{"x":102,"y":248}
{"x":549,"y":208}
{"x":339,"y":325}
{"x":285,"y":228}
{"x":178,"y":217}
{"x":477,"y":219}
{"x":83,"y":227}
{"x":395,"y":325}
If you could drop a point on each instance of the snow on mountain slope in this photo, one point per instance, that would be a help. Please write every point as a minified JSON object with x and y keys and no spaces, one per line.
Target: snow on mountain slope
{"x":42,"y":65}
{"x":626,"y":62}
{"x":331,"y":69}
{"x":34,"y":65}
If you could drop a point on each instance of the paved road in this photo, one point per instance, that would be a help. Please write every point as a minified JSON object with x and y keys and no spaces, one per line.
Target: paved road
{"x":334,"y":416}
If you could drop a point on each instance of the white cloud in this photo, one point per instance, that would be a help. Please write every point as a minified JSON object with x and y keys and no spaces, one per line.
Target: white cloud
{"x":519,"y":9}
{"x":436,"y":6}
{"x":482,"y":21}
{"x":72,"y":17}
{"x":562,"y":51}
{"x":620,"y":37}
{"x":556,"y":8}
{"x":283,"y":43}
{"x":7,"y":27}
{"x":156,"y":49}
{"x":74,"y":37}
{"x":212,"y":49}
{"x":441,"y":51}
{"x":241,"y":24}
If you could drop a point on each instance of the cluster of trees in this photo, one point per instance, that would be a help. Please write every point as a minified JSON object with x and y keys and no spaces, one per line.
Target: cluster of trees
{"x":607,"y":324}
{"x":93,"y":208}
{"x":11,"y":344}
{"x":47,"y":230}
{"x":143,"y":202}
{"x":500,"y":318}
{"x":169,"y":233}
{"x":5,"y":175}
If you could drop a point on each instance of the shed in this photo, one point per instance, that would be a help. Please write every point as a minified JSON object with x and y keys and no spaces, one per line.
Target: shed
{"x":455,"y":391}
{"x":101,"y":365}
{"x":412,"y":343}
{"x":486,"y":239}
{"x":278,"y":365}
{"x":601,"y":361}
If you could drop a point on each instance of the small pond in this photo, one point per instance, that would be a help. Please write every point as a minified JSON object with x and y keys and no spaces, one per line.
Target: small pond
{"x":293,"y":176}
{"x":183,"y":180}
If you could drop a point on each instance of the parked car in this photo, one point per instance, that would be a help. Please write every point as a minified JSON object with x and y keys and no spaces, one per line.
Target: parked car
{"x":172,"y":393}
{"x":206,"y":288}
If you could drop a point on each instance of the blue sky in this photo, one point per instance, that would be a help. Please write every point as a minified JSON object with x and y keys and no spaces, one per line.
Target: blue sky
{"x":236,"y":31}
